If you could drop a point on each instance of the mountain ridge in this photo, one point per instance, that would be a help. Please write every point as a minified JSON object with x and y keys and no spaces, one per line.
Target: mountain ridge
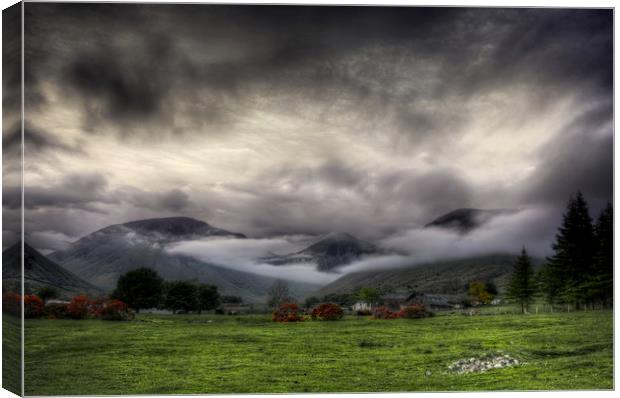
{"x":40,"y":271}
{"x":465,"y":220}
{"x":330,"y":251}
{"x":104,"y":255}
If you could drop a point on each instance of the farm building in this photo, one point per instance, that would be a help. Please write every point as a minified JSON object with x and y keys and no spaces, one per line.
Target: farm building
{"x":361,"y":306}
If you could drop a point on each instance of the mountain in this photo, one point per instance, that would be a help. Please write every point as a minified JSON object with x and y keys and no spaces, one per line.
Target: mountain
{"x":40,"y":271}
{"x":465,"y":220}
{"x":103,"y":256}
{"x":173,"y":229}
{"x":441,"y":277}
{"x":331,"y":251}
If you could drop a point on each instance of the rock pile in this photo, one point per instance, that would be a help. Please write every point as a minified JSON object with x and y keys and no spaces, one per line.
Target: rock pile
{"x":482,"y":364}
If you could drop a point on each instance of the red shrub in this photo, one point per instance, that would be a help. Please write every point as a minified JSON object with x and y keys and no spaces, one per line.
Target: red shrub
{"x":12,"y":304}
{"x":115,"y":310}
{"x":33,"y":306}
{"x":327,"y":312}
{"x":79,"y":307}
{"x":287,"y":313}
{"x":384,"y":313}
{"x":95,"y":307}
{"x":414,"y":311}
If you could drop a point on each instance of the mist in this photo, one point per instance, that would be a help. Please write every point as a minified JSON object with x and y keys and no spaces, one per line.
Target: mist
{"x":532,"y":228}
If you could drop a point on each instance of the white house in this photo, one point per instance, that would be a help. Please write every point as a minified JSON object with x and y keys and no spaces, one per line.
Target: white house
{"x":361,"y":306}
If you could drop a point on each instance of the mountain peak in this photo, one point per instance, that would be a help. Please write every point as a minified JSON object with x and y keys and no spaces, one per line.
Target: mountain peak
{"x":465,"y":220}
{"x":178,"y":226}
{"x":330,"y":251}
{"x":338,"y":236}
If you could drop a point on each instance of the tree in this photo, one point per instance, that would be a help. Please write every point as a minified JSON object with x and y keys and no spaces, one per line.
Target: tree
{"x":231,"y":299}
{"x":521,"y":287}
{"x":140,"y":288}
{"x":47,"y":292}
{"x":311,"y":302}
{"x":208,"y":297}
{"x":599,"y":286}
{"x":479,"y":293}
{"x":278,"y":293}
{"x":564,"y":273}
{"x":369,"y":295}
{"x":181,"y":295}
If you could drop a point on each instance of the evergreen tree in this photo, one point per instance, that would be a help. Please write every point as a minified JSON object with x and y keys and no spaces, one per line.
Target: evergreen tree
{"x":599,"y":286}
{"x":565,"y":274}
{"x":521,"y":288}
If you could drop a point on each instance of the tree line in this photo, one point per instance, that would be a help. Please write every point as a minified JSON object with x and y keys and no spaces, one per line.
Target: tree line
{"x":143,"y":288}
{"x":579,"y":274}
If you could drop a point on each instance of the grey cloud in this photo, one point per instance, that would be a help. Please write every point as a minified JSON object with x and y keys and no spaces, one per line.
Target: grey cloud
{"x":74,"y":190}
{"x":173,"y":200}
{"x":36,"y":141}
{"x":401,"y":81}
{"x":581,"y":158}
{"x":316,"y":54}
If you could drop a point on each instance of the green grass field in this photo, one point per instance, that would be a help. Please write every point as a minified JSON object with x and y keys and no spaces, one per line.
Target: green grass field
{"x":225,"y":354}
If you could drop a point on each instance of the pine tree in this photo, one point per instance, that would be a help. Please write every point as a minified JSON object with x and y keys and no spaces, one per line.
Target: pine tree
{"x":565,"y":274}
{"x":600,"y":283}
{"x":521,"y":288}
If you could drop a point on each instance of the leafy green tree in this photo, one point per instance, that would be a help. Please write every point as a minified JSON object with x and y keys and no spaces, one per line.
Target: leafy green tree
{"x":311,"y":301}
{"x":564,"y":273}
{"x":343,"y":299}
{"x":140,"y":288}
{"x":47,"y":293}
{"x":208,"y":297}
{"x":369,"y":295}
{"x":231,"y":299}
{"x":521,"y":287}
{"x":181,"y":295}
{"x":479,"y":293}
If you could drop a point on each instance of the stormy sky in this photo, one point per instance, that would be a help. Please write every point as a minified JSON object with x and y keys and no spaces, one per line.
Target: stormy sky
{"x":270,"y":120}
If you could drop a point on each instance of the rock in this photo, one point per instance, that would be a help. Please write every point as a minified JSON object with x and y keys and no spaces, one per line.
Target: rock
{"x":481,"y":364}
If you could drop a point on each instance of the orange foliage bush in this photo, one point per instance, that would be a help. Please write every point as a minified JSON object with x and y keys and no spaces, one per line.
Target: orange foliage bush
{"x":327,"y":312}
{"x":287,"y":312}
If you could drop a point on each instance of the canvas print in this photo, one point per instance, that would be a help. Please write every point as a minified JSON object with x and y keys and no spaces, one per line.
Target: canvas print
{"x":208,"y":199}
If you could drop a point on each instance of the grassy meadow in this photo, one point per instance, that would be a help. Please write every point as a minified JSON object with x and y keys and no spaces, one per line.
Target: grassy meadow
{"x":165,"y":354}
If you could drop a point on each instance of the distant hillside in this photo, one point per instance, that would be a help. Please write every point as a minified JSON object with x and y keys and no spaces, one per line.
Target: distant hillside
{"x":331,"y":251}
{"x":40,"y":271}
{"x":446,"y":277}
{"x":465,"y":220}
{"x":103,"y":256}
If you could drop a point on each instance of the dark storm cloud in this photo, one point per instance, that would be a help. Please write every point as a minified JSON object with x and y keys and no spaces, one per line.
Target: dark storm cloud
{"x":152,"y":56}
{"x":416,"y":79}
{"x":73,"y":191}
{"x":336,"y":196}
{"x":35,"y":141}
{"x":580,"y":159}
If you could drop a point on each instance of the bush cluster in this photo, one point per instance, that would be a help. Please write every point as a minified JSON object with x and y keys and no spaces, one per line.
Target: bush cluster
{"x":288,"y":312}
{"x":414,"y":311}
{"x":80,"y":307}
{"x":12,"y":304}
{"x":410,"y":312}
{"x":384,"y":313}
{"x":33,"y":306}
{"x":327,"y":312}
